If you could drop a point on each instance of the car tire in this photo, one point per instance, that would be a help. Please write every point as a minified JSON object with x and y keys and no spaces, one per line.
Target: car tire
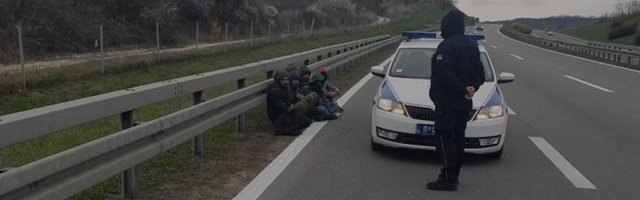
{"x":496,"y":155}
{"x":377,"y":147}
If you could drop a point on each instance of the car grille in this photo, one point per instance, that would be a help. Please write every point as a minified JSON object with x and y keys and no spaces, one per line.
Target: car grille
{"x":421,"y":113}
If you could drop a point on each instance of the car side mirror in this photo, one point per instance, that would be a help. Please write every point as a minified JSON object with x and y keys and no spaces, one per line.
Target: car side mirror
{"x":378,"y":71}
{"x":506,"y":77}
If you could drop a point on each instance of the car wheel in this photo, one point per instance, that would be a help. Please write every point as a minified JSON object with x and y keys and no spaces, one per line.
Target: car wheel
{"x":496,"y":155}
{"x":376,"y":146}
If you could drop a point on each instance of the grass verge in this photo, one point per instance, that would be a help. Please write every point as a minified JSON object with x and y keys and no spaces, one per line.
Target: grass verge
{"x":69,"y":86}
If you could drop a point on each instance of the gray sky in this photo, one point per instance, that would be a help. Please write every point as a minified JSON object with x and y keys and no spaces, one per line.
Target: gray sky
{"x":489,"y":10}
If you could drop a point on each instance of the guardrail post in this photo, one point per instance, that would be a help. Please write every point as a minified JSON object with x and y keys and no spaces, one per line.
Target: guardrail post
{"x":270,"y":74}
{"x":1,"y":163}
{"x":241,"y":125}
{"x":128,"y":185}
{"x":306,"y":62}
{"x":629,"y":60}
{"x":319,"y":58}
{"x":198,"y":141}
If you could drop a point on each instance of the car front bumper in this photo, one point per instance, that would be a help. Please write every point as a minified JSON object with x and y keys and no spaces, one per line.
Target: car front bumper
{"x":405,"y":129}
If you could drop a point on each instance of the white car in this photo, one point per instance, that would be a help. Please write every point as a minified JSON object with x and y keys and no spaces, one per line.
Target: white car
{"x":403,"y":114}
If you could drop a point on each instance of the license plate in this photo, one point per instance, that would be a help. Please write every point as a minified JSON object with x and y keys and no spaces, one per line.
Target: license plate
{"x":425,"y":130}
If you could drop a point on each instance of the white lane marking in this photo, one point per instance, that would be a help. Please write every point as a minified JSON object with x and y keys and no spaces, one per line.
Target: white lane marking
{"x":589,"y":84}
{"x":494,"y":46}
{"x":516,"y":56}
{"x":572,"y":56}
{"x":510,"y":111}
{"x":261,"y":182}
{"x":569,"y":171}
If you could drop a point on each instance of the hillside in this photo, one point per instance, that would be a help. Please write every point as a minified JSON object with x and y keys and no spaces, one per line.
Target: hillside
{"x":72,"y":26}
{"x":551,"y":23}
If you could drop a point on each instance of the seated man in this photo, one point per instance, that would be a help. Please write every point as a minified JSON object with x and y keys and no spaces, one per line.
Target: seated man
{"x":332,"y":91}
{"x":325,"y":109}
{"x":287,"y":118}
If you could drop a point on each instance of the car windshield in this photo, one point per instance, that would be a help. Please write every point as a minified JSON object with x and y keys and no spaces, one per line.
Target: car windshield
{"x":416,"y":63}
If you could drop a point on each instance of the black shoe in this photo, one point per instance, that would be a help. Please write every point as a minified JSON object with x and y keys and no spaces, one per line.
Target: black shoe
{"x":441,"y":185}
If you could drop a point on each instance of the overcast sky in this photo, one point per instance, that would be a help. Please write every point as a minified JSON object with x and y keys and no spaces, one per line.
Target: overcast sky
{"x":490,"y":10}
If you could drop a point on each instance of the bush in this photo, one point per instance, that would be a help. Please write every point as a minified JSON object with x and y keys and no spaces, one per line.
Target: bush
{"x":617,"y":22}
{"x":624,"y":30}
{"x":522,"y":28}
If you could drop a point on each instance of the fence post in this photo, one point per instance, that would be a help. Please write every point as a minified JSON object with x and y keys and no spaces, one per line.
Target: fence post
{"x":101,"y":49}
{"x":313,"y":22}
{"x":197,"y":36}
{"x":304,"y":28}
{"x":629,"y":60}
{"x":241,"y":126}
{"x":128,"y":185}
{"x":251,"y":35}
{"x":226,"y":35}
{"x":24,"y":72}
{"x":269,"y":31}
{"x":157,"y":43}
{"x":198,"y":141}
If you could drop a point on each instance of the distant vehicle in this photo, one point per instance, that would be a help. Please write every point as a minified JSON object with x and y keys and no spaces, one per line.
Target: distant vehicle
{"x":550,"y":33}
{"x":403,"y":114}
{"x":479,"y":29}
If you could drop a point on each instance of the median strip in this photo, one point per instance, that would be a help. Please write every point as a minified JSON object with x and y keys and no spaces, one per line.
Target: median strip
{"x":589,"y":84}
{"x":516,"y":56}
{"x":569,"y":171}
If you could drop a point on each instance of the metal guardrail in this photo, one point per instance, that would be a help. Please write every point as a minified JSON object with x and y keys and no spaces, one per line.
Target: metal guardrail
{"x":64,"y":174}
{"x":625,"y":57}
{"x":619,"y":47}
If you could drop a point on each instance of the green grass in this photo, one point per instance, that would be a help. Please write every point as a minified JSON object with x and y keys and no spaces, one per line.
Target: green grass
{"x":81,"y":81}
{"x":598,"y":32}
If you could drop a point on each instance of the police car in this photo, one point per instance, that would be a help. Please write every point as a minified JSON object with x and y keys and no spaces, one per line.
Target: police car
{"x":403,"y":114}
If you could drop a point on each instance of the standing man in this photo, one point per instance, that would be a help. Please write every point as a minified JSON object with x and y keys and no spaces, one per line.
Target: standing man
{"x":457,"y":73}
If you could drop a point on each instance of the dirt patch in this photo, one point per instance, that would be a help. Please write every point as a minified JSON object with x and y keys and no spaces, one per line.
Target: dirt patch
{"x":224,"y":170}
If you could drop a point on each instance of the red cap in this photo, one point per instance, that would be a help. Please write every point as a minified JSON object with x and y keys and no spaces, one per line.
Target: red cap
{"x":323,"y":70}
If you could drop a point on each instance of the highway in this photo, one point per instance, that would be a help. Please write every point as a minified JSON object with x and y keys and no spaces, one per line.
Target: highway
{"x":573,"y":135}
{"x":559,"y":36}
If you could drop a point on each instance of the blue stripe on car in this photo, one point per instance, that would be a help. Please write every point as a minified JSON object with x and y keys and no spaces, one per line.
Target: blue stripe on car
{"x":387,"y":92}
{"x":496,"y":99}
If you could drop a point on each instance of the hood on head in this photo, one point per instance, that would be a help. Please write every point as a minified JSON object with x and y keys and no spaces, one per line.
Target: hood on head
{"x":452,"y":24}
{"x":294,"y":75}
{"x":279,"y":75}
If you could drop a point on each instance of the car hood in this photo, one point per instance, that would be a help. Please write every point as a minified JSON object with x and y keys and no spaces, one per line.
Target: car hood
{"x":416,"y":92}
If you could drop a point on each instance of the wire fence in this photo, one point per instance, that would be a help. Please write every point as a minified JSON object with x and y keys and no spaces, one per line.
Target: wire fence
{"x":229,"y":36}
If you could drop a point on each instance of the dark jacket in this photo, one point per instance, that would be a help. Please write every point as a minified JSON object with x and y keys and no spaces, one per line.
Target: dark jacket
{"x":278,"y":99}
{"x":455,"y":65}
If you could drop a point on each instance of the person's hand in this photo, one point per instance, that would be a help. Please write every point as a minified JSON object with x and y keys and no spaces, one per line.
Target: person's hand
{"x":471,"y":91}
{"x":332,"y":94}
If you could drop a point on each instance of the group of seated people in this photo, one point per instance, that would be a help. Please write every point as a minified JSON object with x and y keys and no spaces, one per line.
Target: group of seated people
{"x":297,"y":98}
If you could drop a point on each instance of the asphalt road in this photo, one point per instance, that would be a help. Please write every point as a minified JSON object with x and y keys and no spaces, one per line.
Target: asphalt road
{"x":588,"y":112}
{"x":559,"y":37}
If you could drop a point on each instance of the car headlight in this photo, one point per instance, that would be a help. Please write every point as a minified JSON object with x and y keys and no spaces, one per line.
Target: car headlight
{"x":391,"y":106}
{"x":490,"y":112}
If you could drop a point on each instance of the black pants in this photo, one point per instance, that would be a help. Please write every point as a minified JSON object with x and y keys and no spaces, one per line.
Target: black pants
{"x":450,"y":129}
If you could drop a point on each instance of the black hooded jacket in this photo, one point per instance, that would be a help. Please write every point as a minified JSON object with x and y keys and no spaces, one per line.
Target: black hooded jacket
{"x":455,"y":66}
{"x":278,"y":98}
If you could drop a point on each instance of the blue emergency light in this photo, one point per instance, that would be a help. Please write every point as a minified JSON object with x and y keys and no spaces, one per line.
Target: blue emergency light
{"x":419,"y":35}
{"x":476,"y":38}
{"x":411,"y":35}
